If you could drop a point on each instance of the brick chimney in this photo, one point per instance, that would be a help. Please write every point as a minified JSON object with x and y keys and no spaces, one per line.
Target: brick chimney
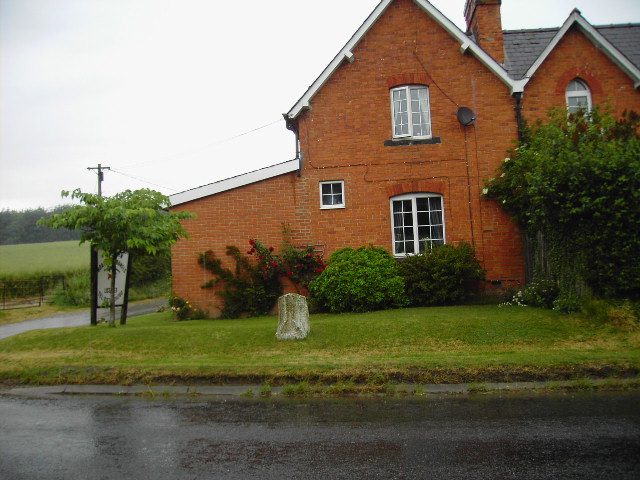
{"x":484,"y":22}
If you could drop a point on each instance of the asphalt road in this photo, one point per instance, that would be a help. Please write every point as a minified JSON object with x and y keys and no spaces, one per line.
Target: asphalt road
{"x":515,"y":436}
{"x":77,"y":319}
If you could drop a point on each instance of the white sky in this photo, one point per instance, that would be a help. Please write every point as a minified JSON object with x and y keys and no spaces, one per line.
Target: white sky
{"x":172,"y":94}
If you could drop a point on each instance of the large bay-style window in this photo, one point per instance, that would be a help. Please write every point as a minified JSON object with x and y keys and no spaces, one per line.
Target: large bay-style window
{"x":417,"y":222}
{"x":410,"y":113}
{"x":578,"y":96}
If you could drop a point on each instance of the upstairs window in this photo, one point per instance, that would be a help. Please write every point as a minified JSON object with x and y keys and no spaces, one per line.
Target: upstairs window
{"x":578,"y":96}
{"x":417,"y":222}
{"x":410,"y":113}
{"x":332,"y":194}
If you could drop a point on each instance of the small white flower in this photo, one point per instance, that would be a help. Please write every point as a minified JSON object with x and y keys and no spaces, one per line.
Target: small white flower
{"x":506,"y":159}
{"x":485,"y":191}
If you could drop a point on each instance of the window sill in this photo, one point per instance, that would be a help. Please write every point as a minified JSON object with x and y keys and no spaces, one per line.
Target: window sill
{"x":401,"y":141}
{"x":331,"y":207}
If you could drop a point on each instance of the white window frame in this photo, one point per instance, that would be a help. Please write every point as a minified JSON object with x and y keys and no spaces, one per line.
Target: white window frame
{"x":397,"y":111}
{"x":328,"y":206}
{"x":583,"y":92}
{"x":415,"y":226}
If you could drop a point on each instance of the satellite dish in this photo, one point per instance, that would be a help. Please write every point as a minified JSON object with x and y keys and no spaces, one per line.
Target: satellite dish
{"x":466,"y":116}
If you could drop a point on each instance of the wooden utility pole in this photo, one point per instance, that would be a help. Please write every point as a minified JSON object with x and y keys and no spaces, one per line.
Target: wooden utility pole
{"x":94,"y":255}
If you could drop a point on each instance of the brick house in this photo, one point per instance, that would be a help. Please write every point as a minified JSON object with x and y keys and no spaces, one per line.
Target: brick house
{"x":399,"y":133}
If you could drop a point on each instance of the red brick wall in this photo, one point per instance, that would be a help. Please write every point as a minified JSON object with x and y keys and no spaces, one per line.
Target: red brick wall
{"x":344,"y":132}
{"x":258,"y":210}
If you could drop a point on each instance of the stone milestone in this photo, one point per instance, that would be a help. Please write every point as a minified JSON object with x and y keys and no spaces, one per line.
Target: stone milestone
{"x":294,"y":317}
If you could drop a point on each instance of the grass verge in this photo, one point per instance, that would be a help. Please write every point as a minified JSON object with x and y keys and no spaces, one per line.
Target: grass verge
{"x":466,"y":344}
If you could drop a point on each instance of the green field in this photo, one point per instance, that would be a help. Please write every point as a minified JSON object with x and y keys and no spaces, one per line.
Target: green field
{"x":32,"y":259}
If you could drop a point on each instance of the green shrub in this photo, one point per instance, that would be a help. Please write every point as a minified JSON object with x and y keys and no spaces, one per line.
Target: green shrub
{"x":359,"y":280}
{"x":620,"y":315}
{"x":574,"y":181}
{"x":183,"y":310}
{"x":624,"y":318}
{"x":441,"y":276}
{"x":77,"y":291}
{"x":541,"y":292}
{"x":148,"y":268}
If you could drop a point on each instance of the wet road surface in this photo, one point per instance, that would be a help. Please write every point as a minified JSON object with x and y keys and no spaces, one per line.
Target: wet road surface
{"x":78,"y":318}
{"x":514,"y":436}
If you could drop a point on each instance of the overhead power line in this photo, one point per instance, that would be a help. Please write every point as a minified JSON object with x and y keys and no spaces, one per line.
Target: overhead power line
{"x":201,"y":148}
{"x":143,"y":180}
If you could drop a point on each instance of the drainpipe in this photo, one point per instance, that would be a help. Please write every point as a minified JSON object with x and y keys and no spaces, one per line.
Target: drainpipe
{"x":518,"y":108}
{"x":292,"y":124}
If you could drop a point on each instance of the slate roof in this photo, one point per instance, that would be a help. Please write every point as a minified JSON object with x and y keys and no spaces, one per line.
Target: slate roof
{"x":523,"y":47}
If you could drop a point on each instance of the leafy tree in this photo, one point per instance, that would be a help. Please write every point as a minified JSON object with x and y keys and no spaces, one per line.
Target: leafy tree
{"x":129,"y":221}
{"x":576,"y":179}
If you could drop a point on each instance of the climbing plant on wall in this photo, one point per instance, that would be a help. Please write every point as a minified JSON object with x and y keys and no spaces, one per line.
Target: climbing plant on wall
{"x":576,"y":179}
{"x":254,"y":284}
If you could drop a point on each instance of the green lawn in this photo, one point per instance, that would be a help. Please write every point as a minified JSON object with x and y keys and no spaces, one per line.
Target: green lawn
{"x":19,"y":261}
{"x":423,"y":345}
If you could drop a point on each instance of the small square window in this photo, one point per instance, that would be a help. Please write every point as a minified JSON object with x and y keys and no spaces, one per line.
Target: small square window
{"x":332,"y":194}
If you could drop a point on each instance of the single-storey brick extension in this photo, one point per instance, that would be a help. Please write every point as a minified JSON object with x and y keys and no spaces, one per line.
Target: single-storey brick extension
{"x":399,"y":133}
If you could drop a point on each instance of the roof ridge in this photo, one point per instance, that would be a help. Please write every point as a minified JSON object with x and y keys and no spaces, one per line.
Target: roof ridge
{"x":527,"y":30}
{"x":618,"y":25}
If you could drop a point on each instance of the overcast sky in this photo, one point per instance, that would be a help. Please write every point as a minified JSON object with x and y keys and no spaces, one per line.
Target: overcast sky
{"x":173,"y":94}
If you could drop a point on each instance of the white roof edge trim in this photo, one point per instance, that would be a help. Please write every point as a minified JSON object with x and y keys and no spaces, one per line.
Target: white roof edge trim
{"x":234,"y":182}
{"x":596,"y":37}
{"x":345,"y":52}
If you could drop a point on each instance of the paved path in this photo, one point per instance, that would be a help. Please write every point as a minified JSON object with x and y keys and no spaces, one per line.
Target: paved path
{"x":77,"y":319}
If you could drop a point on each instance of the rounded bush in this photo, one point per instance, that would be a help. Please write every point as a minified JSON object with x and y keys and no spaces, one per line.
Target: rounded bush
{"x":441,"y":276}
{"x":359,"y":280}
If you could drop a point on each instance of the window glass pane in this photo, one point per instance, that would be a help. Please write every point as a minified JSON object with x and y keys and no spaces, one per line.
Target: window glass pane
{"x":331,"y":193}
{"x":437,"y":233}
{"x":409,"y":248}
{"x":577,"y":86}
{"x":435,"y":203}
{"x":424,"y":238}
{"x":408,"y":233}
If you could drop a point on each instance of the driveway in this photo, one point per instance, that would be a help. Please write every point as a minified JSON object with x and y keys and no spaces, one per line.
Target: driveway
{"x":77,"y":319}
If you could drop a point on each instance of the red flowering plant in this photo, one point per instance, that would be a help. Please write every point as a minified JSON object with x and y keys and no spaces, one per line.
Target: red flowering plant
{"x":302,"y":264}
{"x":255,"y":284}
{"x":252,"y":287}
{"x":268,"y":264}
